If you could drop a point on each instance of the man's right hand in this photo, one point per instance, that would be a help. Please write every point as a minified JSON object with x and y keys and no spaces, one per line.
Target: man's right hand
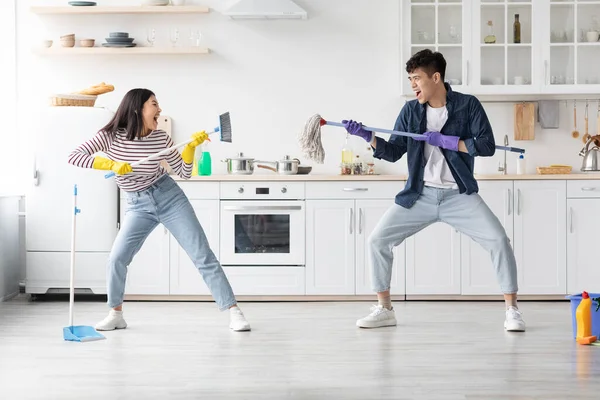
{"x":356,"y":129}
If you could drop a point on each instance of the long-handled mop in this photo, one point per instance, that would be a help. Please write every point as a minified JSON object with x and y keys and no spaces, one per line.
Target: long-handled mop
{"x":310,"y":138}
{"x":224,"y":128}
{"x":80,"y":333}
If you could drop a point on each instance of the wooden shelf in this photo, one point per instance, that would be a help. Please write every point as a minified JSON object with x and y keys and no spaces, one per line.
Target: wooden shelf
{"x":66,"y":51}
{"x":120,"y":10}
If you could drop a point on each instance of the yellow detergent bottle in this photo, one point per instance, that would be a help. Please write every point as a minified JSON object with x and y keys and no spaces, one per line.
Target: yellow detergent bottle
{"x":583,"y":315}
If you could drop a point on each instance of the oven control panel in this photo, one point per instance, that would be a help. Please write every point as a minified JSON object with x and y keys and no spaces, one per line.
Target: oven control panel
{"x":262,"y":190}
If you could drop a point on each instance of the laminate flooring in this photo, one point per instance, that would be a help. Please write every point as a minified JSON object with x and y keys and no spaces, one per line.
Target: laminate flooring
{"x":184,"y":350}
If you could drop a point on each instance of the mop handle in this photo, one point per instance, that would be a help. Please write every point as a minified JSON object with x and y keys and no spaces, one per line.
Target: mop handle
{"x":72,"y":278}
{"x":508,"y":148}
{"x":160,"y":153}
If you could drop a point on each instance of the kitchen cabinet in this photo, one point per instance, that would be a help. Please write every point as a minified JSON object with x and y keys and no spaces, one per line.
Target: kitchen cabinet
{"x":583,"y":220}
{"x":539,"y":236}
{"x":557,"y":52}
{"x":478,"y":276}
{"x":339,"y":219}
{"x":185,"y":277}
{"x":148,"y":272}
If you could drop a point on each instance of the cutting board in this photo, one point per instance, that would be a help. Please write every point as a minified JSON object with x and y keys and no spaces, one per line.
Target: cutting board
{"x":164,"y":123}
{"x":524,"y":121}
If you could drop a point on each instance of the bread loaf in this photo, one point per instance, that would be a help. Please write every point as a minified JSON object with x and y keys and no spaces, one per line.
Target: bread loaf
{"x":97,"y":89}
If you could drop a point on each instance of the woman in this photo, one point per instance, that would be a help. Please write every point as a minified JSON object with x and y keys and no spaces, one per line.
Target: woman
{"x":153,"y":197}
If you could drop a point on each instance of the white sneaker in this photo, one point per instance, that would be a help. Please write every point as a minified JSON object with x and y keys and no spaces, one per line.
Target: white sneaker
{"x":237,"y":321}
{"x":114,"y":320}
{"x":379,"y":317}
{"x":514,"y":320}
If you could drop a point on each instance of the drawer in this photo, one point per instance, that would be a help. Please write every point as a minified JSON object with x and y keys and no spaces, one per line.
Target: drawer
{"x":274,"y":190}
{"x":583,"y":189}
{"x":200,"y":190}
{"x":353,"y":190}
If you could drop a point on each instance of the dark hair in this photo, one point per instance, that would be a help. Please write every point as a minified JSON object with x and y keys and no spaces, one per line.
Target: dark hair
{"x":129,"y":114}
{"x":429,"y":61}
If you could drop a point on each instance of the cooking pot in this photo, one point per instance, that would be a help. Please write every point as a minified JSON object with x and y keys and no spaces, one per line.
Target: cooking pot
{"x":591,"y":157}
{"x":287,"y":166}
{"x":240,"y":165}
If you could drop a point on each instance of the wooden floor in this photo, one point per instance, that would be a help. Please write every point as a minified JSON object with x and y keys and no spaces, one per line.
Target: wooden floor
{"x":439,"y":350}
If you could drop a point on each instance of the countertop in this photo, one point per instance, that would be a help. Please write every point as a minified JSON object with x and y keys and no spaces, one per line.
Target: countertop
{"x":375,"y":178}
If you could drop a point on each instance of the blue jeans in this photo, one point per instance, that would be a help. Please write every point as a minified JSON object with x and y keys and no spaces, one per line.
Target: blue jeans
{"x":164,"y":202}
{"x":467,"y":213}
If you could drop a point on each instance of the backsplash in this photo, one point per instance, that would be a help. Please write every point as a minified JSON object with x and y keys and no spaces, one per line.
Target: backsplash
{"x":272,"y":76}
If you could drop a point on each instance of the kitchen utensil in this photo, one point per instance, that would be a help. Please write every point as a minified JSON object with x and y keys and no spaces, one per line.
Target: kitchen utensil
{"x":240,"y":165}
{"x":304,"y":169}
{"x":286,"y":166}
{"x":575,"y":132}
{"x":79,"y":333}
{"x":524,"y":120}
{"x":224,"y":128}
{"x":586,"y":118}
{"x":591,"y":157}
{"x":312,"y":128}
{"x":554,"y":170}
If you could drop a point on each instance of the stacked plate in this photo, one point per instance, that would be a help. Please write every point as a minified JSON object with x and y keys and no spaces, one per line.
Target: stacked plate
{"x":119,"y":39}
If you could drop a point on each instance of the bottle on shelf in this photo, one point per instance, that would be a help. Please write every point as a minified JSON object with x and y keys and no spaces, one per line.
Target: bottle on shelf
{"x":490,"y":38}
{"x":347,"y":156}
{"x":205,"y":162}
{"x":517,"y":30}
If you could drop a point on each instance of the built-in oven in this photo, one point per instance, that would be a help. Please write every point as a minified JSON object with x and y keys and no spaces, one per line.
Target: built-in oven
{"x":262,"y":224}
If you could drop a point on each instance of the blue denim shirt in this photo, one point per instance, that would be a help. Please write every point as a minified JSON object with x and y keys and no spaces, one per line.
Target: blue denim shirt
{"x":466,"y":119}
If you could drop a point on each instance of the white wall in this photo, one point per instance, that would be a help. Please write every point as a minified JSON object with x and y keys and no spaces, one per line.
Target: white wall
{"x":343,"y":62}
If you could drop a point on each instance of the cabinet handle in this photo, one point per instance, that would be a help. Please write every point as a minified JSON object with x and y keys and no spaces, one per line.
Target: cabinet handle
{"x":588,"y":189}
{"x":467,"y":80}
{"x":356,"y":189}
{"x":360,"y":220}
{"x":571,"y":219}
{"x":546,"y":72}
{"x":518,"y":201}
{"x":509,"y":201}
{"x":351,"y":220}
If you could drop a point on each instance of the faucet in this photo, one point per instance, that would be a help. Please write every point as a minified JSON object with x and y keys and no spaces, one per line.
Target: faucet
{"x":502,"y":166}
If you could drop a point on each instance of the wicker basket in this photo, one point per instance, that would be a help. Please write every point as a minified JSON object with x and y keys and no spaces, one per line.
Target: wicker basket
{"x":73,"y":100}
{"x":554,"y":170}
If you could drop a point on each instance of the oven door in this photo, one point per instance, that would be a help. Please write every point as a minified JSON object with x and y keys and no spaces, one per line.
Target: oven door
{"x":262,"y":232}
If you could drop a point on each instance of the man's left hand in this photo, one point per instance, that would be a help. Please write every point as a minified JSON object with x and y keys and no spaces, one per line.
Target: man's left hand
{"x":440,"y":140}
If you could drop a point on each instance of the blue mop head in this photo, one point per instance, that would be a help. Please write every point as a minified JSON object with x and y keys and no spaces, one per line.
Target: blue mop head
{"x":81,"y":333}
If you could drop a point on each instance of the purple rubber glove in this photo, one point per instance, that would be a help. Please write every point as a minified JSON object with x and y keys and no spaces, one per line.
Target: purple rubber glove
{"x":356,"y":129}
{"x":438,"y":139}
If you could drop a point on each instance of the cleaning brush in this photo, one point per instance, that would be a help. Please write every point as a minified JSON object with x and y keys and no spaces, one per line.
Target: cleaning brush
{"x":224,"y":129}
{"x":310,"y":138}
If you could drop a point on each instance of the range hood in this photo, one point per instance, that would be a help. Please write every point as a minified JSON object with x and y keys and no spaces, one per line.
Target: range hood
{"x":265,"y":9}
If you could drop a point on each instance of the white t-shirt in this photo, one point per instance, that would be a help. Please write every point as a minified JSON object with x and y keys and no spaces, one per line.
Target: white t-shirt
{"x":437,"y":172}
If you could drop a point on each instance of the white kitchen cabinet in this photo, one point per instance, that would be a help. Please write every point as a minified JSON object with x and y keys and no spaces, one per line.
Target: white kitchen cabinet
{"x":539,"y":236}
{"x":556,"y":53}
{"x":148,"y":272}
{"x":583,"y":221}
{"x":478,"y":276}
{"x":185,"y":277}
{"x":433,"y":261}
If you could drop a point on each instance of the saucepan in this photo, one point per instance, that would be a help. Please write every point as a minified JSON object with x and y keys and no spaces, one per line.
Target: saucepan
{"x":286,"y":166}
{"x":240,"y":165}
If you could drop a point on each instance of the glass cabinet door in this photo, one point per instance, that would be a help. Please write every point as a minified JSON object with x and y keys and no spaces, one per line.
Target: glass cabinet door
{"x":574,"y":54}
{"x":503,"y":46}
{"x":436,"y":25}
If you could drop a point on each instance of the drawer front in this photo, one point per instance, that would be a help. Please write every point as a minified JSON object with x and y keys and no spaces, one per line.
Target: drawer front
{"x":583,"y":189}
{"x":249,"y":190}
{"x":353,"y":190}
{"x":200,"y":190}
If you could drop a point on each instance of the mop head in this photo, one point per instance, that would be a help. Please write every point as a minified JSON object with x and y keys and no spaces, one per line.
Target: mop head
{"x":310,"y":140}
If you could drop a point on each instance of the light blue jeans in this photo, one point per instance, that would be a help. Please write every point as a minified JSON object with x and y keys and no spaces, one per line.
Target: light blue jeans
{"x":164,"y":202}
{"x":467,"y":213}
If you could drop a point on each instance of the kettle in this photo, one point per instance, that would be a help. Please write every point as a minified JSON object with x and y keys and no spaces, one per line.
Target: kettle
{"x":591,"y":157}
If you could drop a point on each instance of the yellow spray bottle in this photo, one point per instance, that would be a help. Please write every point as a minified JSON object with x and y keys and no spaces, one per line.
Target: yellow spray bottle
{"x":583,"y":315}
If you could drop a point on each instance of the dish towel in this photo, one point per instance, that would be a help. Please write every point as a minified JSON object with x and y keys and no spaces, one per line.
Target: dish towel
{"x":548,"y":113}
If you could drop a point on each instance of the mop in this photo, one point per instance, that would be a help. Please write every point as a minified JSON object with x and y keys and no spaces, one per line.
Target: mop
{"x":79,"y":333}
{"x":310,"y":138}
{"x":224,"y":129}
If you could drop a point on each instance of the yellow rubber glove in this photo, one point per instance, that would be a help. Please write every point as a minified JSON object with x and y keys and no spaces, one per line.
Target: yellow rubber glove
{"x":119,"y":168}
{"x":188,"y":151}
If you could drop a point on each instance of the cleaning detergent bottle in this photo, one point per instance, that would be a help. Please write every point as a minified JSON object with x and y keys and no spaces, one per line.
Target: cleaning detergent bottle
{"x":521,"y":165}
{"x":205,"y":163}
{"x":583,"y":315}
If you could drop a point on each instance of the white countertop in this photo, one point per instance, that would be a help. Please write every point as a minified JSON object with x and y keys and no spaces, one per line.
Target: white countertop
{"x":324,"y":177}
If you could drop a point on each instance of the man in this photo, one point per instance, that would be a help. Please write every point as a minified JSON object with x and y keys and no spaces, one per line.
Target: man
{"x":440,"y":186}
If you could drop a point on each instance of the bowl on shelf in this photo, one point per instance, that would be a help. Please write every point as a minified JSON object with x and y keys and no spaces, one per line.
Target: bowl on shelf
{"x":87,"y":42}
{"x":47,"y":43}
{"x":118,"y":34}
{"x":67,"y":42}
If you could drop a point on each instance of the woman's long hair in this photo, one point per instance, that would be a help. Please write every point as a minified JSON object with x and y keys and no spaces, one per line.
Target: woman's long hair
{"x":129,"y":114}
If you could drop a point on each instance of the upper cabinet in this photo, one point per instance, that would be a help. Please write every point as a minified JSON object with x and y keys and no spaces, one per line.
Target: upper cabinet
{"x":505,"y":47}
